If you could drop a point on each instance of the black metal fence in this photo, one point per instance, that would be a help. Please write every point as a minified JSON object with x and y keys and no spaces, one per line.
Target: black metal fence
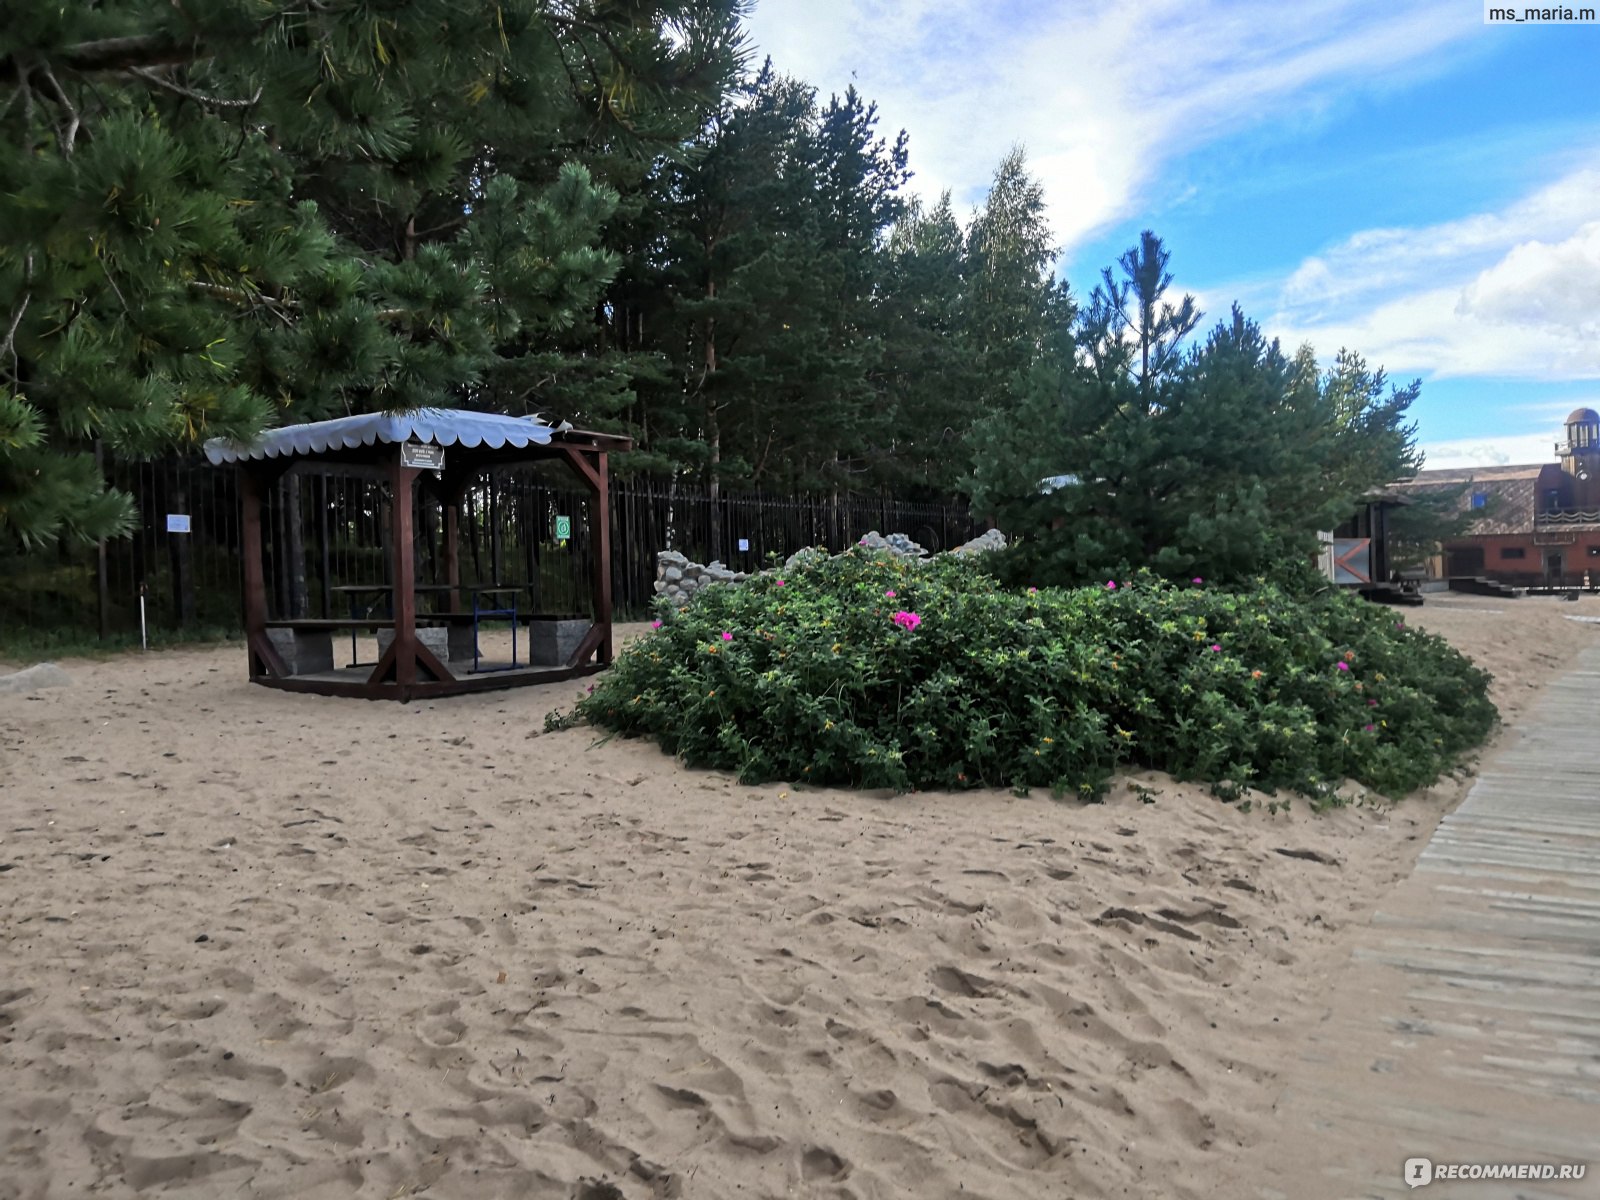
{"x":325,"y":537}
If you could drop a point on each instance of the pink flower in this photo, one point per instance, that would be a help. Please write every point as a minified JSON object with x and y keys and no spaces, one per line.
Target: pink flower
{"x":1372,"y":704}
{"x":1033,"y":591}
{"x":1111,"y":585}
{"x":1197,"y":579}
{"x":1369,"y":728}
{"x":726,"y":636}
{"x":906,"y":620}
{"x":1215,"y":646}
{"x":1343,"y":666}
{"x":780,"y":583}
{"x":656,"y":624}
{"x":889,"y":595}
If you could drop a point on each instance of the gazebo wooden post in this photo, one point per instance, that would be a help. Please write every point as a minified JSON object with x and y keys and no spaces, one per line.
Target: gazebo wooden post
{"x":597,"y":476}
{"x":264,"y":660}
{"x":404,"y":575}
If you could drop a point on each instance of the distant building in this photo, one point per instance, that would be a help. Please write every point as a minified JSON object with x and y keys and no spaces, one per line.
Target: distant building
{"x":1541,"y":522}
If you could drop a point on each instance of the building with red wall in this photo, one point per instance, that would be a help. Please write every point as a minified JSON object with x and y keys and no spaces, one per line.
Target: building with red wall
{"x":1541,"y":522}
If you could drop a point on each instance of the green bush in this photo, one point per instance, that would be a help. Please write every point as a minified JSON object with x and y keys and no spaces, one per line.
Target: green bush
{"x":811,"y":677}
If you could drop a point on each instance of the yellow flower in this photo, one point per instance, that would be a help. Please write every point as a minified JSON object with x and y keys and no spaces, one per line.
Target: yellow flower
{"x":1047,"y":741}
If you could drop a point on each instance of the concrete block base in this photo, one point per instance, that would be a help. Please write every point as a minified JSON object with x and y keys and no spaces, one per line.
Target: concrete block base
{"x":551,"y":641}
{"x":304,"y":651}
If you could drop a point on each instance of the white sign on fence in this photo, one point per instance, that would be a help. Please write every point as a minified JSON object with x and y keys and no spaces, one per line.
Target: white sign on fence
{"x":744,"y":543}
{"x":177,"y":522}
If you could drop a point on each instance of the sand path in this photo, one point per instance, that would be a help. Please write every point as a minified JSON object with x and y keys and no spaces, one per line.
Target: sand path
{"x":1465,"y":1026}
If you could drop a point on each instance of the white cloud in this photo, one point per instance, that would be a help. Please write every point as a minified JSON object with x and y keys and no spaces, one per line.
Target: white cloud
{"x":1100,"y":93}
{"x":1508,"y":294}
{"x":1490,"y":452}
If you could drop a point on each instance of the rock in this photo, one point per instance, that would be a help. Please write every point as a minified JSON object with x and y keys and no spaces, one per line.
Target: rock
{"x":895,"y":543}
{"x":989,"y":540}
{"x":33,"y":679}
{"x":672,"y":574}
{"x":811,"y":554}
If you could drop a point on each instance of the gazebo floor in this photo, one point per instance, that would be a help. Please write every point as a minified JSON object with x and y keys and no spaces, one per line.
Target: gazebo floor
{"x":355,"y":681}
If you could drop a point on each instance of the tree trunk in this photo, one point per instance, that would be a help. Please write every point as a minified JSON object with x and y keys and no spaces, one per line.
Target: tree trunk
{"x":713,"y":434}
{"x":182,"y":570}
{"x":102,"y":581}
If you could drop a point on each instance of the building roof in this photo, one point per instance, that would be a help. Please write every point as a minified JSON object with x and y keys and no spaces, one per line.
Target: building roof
{"x":1515,"y":491}
{"x":441,"y":426}
{"x":1450,"y":476}
{"x":1583,"y":416}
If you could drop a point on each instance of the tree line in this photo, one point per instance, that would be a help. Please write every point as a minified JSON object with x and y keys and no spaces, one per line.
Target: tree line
{"x":216,"y":218}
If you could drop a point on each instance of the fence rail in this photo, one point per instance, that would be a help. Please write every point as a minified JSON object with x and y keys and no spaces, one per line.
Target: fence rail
{"x":325,"y":535}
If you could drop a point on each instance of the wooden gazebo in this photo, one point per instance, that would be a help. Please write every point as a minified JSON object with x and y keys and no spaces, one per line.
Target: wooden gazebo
{"x":443,"y":451}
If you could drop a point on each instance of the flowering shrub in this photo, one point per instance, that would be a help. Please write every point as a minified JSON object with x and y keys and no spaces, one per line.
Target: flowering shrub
{"x":970,"y":685}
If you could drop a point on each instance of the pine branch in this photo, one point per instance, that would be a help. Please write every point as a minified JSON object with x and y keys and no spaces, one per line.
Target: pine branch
{"x":16,"y":320}
{"x":68,"y":136}
{"x":198,"y":97}
{"x":116,"y":54}
{"x":277,"y":306}
{"x":16,"y":317}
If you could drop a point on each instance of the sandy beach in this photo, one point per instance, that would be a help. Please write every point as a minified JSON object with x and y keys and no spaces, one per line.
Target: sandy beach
{"x":269,"y":945}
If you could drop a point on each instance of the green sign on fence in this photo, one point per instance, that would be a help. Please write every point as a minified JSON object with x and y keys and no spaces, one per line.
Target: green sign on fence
{"x":563,"y":528}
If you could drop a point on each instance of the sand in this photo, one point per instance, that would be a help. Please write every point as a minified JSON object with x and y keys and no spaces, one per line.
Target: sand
{"x":258,"y":944}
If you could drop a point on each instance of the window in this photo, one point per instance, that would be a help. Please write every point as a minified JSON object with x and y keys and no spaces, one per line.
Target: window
{"x":1514,"y":552}
{"x":1594,"y":551}
{"x":1480,"y":499}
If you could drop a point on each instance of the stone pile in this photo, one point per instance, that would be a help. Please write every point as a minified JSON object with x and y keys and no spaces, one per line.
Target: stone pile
{"x":895,"y":543}
{"x":991,"y":539}
{"x":679,"y":580}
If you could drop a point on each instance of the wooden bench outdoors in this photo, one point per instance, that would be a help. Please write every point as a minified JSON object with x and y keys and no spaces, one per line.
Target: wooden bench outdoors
{"x":315,"y":623}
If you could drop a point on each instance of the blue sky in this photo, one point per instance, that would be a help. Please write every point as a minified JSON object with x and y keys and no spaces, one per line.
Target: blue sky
{"x":1405,"y":181}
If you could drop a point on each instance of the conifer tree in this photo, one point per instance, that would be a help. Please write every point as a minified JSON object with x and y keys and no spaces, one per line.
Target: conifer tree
{"x":214,"y":217}
{"x":1219,"y":460}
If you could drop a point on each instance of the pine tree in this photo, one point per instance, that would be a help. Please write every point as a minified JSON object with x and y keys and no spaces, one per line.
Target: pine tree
{"x":1220,"y":460}
{"x":216,"y":217}
{"x":766,"y":287}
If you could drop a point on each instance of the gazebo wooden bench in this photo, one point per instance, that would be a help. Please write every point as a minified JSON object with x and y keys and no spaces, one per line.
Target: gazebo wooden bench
{"x":450,"y":448}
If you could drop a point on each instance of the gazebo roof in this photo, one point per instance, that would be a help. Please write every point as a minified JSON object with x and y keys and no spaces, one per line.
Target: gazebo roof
{"x":441,"y":426}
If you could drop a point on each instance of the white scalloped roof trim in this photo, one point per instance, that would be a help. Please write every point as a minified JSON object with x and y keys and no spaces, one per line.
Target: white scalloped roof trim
{"x":441,"y":426}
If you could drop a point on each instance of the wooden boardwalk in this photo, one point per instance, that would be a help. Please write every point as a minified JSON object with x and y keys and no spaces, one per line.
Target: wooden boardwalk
{"x":1466,"y":1027}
